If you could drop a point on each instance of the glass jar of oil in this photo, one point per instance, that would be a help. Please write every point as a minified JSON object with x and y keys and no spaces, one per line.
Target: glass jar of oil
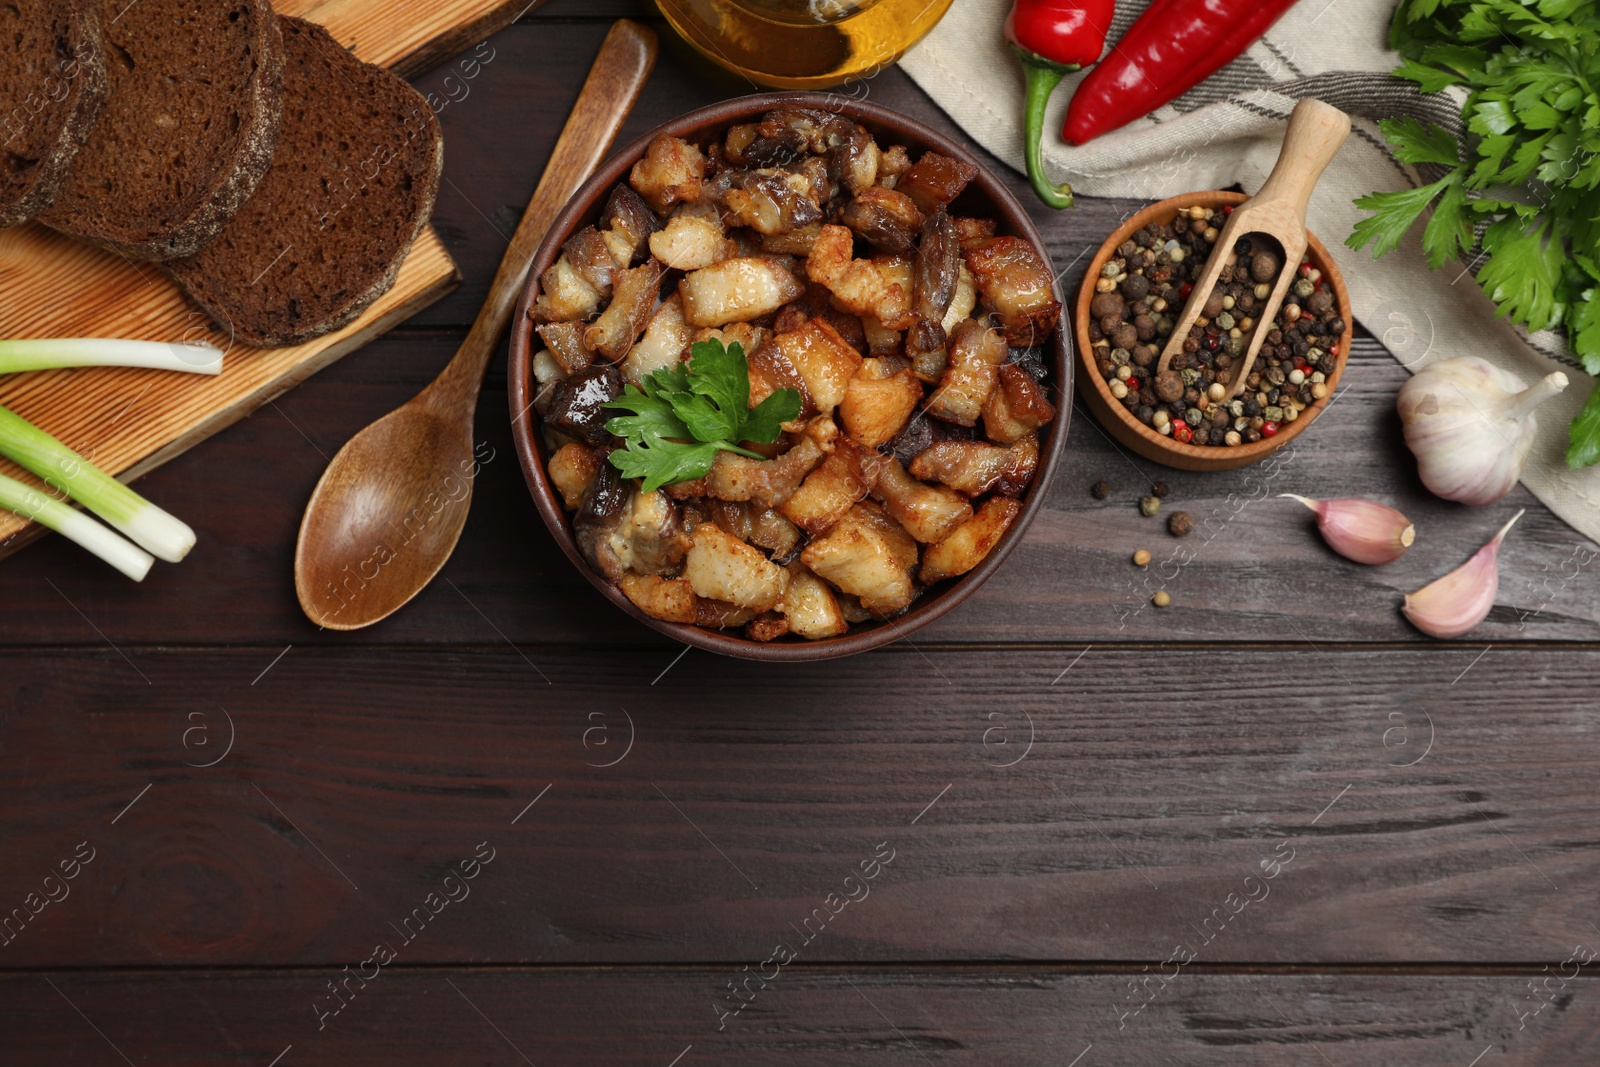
{"x":803,"y":44}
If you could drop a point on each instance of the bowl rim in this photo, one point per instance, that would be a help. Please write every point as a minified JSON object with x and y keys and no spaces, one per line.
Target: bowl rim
{"x":861,"y":637}
{"x":1207,"y":457}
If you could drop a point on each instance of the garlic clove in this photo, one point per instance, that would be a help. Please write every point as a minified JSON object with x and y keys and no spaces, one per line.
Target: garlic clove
{"x":1453,"y":605}
{"x":1360,"y":529}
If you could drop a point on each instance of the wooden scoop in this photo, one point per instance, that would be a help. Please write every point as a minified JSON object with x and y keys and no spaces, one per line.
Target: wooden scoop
{"x":390,"y":507}
{"x":1316,"y":130}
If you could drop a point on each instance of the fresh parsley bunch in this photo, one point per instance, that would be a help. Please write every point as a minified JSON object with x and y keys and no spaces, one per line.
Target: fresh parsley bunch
{"x":1530,"y":169}
{"x":688,"y":412}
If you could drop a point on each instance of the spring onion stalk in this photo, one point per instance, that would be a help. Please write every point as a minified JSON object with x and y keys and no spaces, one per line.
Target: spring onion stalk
{"x":147,"y":525}
{"x":53,"y":353}
{"x":74,"y":525}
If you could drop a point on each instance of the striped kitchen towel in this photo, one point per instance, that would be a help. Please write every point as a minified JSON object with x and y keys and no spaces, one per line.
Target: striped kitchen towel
{"x":1227,"y":131}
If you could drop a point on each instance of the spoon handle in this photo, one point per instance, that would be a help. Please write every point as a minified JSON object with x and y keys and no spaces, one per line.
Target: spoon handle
{"x":618,"y":76}
{"x":1316,"y":131}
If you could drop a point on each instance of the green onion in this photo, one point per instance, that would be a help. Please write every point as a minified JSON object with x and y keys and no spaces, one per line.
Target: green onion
{"x":52,"y":353}
{"x":147,"y":525}
{"x":28,"y":502}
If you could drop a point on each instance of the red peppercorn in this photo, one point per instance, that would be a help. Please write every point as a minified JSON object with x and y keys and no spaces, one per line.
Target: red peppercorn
{"x":1185,"y":289}
{"x":1182,"y":433}
{"x":1227,"y":209}
{"x":1305,"y":269}
{"x":1268,"y":429}
{"x":1133,"y":385}
{"x":1333,"y":350}
{"x":1300,"y":364}
{"x":1214,"y":343}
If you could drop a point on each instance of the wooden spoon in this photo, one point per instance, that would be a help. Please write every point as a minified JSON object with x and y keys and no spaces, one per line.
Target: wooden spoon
{"x":1316,"y":131}
{"x":390,"y":507}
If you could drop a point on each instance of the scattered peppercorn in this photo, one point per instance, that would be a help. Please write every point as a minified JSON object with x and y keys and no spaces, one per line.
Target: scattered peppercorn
{"x":1141,"y":558}
{"x":1181,"y":524}
{"x":1100,"y":489}
{"x":1161,"y":599}
{"x":1159,"y":489}
{"x":1149,"y":505}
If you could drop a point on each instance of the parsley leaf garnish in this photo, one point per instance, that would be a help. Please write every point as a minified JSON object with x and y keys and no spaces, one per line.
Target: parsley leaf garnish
{"x":683,"y":415}
{"x":1415,"y":142}
{"x":1393,"y":214}
{"x":1523,"y":272}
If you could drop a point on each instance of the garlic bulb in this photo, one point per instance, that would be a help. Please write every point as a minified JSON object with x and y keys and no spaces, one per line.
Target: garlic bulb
{"x":1452,"y":605}
{"x":1471,"y":426}
{"x":1360,"y":529}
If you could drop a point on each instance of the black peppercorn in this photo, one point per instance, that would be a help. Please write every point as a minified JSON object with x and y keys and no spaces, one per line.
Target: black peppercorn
{"x":1100,"y":489}
{"x":1169,"y":386}
{"x":1105,"y":304}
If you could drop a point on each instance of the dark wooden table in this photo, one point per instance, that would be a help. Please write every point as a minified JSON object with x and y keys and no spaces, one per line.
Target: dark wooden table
{"x":1269,"y":824}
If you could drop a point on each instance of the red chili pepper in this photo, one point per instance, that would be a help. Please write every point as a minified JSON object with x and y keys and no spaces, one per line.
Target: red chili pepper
{"x":1054,"y":38}
{"x":1174,"y":45}
{"x":1181,"y":431}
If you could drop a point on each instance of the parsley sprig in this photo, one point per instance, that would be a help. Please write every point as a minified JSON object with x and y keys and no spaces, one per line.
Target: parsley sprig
{"x":686,"y":413}
{"x":1530,"y":167}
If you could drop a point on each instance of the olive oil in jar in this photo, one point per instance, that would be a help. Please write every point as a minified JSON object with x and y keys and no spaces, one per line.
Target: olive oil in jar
{"x":803,"y":44}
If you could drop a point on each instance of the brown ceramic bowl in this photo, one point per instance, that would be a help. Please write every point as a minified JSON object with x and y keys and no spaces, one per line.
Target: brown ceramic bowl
{"x":985,"y":196}
{"x":1122,"y":424}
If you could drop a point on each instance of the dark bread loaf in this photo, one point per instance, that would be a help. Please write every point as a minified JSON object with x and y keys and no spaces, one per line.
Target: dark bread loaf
{"x":189,"y":126}
{"x":52,"y":85}
{"x":357,"y":169}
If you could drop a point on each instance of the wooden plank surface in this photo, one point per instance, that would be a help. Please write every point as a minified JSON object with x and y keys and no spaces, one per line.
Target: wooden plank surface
{"x":1435,"y":795}
{"x":1419,"y":813}
{"x":806,"y":1016}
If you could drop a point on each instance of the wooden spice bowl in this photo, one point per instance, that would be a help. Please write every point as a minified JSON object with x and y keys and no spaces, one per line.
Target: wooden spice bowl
{"x":1123,"y":425}
{"x":985,"y":196}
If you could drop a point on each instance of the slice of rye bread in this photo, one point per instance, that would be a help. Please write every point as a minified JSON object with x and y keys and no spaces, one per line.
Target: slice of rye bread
{"x":358,"y":166}
{"x":189,"y":127}
{"x":52,"y":85}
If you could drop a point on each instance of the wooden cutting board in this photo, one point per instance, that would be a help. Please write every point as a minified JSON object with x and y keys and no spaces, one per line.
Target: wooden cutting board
{"x":131,"y":421}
